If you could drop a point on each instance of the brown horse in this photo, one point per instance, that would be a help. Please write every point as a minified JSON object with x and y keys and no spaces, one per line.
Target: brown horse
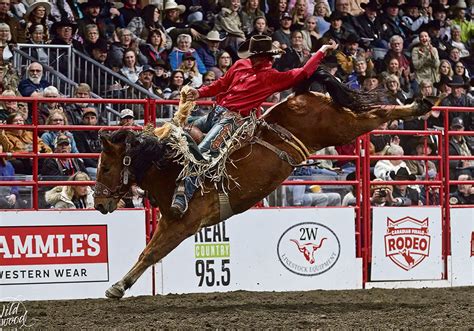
{"x":312,"y":117}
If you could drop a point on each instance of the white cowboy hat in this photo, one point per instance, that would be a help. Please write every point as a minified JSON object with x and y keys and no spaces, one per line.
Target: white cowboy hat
{"x":214,"y":36}
{"x":171,"y":4}
{"x":37,"y":4}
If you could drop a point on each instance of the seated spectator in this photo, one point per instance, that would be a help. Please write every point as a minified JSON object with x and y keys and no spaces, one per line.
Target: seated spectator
{"x":383,"y":168}
{"x":460,"y":70}
{"x":145,"y":80}
{"x":396,"y":51}
{"x":127,"y":118}
{"x":460,"y":145}
{"x":37,"y":36}
{"x":305,"y":195}
{"x":403,"y":195}
{"x":370,"y":82}
{"x":442,"y":86}
{"x":413,"y":17}
{"x":295,"y":55}
{"x":20,"y":141}
{"x":224,"y":62}
{"x":406,"y":79}
{"x":274,"y":13}
{"x":71,"y":197}
{"x":61,"y":168}
{"x":34,"y":81}
{"x":88,"y":141}
{"x":130,"y":69}
{"x":64,"y":32}
{"x":173,"y":15}
{"x":142,"y":26}
{"x":396,"y":95}
{"x":162,"y":75}
{"x":91,"y":16}
{"x":91,"y":37}
{"x":190,"y":69}
{"x":464,"y":194}
{"x":172,"y":92}
{"x":9,"y":195}
{"x":457,"y":42}
{"x":392,"y":22}
{"x":299,"y":14}
{"x":74,"y":111}
{"x":260,"y":27}
{"x":117,"y":50}
{"x":311,"y":34}
{"x":58,"y":117}
{"x":7,"y":107}
{"x":37,"y":13}
{"x":459,"y":98}
{"x":336,"y":31}
{"x":349,"y":53}
{"x":184,"y":46}
{"x":369,"y":27}
{"x":283,"y":34}
{"x":46,"y":108}
{"x":6,"y":55}
{"x":467,"y":26}
{"x":248,"y":15}
{"x":380,"y":194}
{"x":322,"y":12}
{"x":135,"y":200}
{"x":155,"y":47}
{"x":228,"y":20}
{"x":210,"y":49}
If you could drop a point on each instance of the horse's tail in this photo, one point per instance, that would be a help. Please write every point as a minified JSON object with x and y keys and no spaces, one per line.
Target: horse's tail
{"x":342,"y":95}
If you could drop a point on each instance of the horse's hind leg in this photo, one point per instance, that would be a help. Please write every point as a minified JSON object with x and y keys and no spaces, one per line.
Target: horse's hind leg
{"x":166,"y":238}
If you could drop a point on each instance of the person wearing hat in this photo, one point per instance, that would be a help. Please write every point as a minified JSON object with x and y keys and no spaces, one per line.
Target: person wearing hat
{"x":283,"y":34}
{"x":91,"y":10}
{"x":459,"y":98}
{"x":370,"y":28}
{"x":413,"y":17}
{"x":64,"y":32}
{"x":349,"y":53}
{"x":423,"y":146}
{"x":253,"y":72}
{"x":336,"y":31}
{"x":391,"y":23}
{"x":37,"y":13}
{"x":210,"y":48}
{"x":190,"y":70}
{"x":464,"y":194}
{"x":403,"y":195}
{"x":16,"y":30}
{"x":173,"y":15}
{"x":460,"y":145}
{"x":127,"y":117}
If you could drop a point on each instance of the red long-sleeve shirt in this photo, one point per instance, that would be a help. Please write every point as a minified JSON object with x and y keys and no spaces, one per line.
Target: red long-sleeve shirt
{"x":244,"y":87}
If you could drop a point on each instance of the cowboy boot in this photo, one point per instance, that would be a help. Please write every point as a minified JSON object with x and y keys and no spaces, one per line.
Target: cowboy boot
{"x":182,"y":194}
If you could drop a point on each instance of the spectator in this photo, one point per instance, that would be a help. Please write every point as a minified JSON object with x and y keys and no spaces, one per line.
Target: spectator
{"x":37,"y":13}
{"x":18,"y":33}
{"x":407,"y":81}
{"x":91,"y":37}
{"x":145,"y":80}
{"x":34,"y":81}
{"x":439,"y":14}
{"x":460,"y":145}
{"x":402,"y":195}
{"x":391,"y":20}
{"x":61,"y":168}
{"x":155,"y":47}
{"x":459,"y":98}
{"x":99,"y":51}
{"x":142,"y":26}
{"x":336,"y":31}
{"x":454,"y":56}
{"x":71,"y":197}
{"x":20,"y":141}
{"x":425,"y":59}
{"x":195,"y":10}
{"x":442,"y":86}
{"x":464,"y":194}
{"x":64,"y":32}
{"x":210,"y":49}
{"x":191,"y":72}
{"x":184,"y":46}
{"x":383,"y":168}
{"x":260,"y":27}
{"x":467,"y":27}
{"x":395,"y":93}
{"x":295,"y":55}
{"x":304,"y":195}
{"x":396,"y":51}
{"x":37,"y":36}
{"x":274,"y":14}
{"x":173,"y":91}
{"x":445,"y":69}
{"x":6,"y":55}
{"x":283,"y":34}
{"x":129,"y":10}
{"x":228,"y":20}
{"x":63,"y":10}
{"x":421,"y":168}
{"x":299,"y":14}
{"x":460,"y":70}
{"x":57,"y":117}
{"x":118,"y":49}
{"x":370,"y":82}
{"x":354,"y":80}
{"x":413,"y":18}
{"x":135,"y":200}
{"x":162,"y":76}
{"x":88,"y":141}
{"x":91,"y":10}
{"x":127,"y":117}
{"x":311,"y":34}
{"x":434,"y":31}
{"x":130,"y":68}
{"x":74,"y":111}
{"x":224,"y":62}
{"x":173,"y":15}
{"x":351,"y":51}
{"x":322,"y":11}
{"x":349,"y":23}
{"x":46,"y":108}
{"x":9,"y":195}
{"x":369,"y":26}
{"x":248,"y":15}
{"x":380,"y":194}
{"x":308,"y":5}
{"x":7,"y":107}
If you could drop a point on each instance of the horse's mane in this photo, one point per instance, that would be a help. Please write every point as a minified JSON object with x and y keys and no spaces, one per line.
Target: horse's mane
{"x":145,"y":150}
{"x":342,"y":95}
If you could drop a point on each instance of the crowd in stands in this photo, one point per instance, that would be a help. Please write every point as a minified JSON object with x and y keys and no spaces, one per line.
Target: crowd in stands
{"x":409,"y":48}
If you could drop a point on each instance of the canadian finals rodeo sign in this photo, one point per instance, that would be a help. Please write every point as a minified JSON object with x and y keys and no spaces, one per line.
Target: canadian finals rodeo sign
{"x":406,"y":244}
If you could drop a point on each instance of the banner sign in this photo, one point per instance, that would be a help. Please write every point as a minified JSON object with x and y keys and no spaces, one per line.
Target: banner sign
{"x":406,"y":244}
{"x":462,"y":246}
{"x":267,"y":250}
{"x":65,"y":255}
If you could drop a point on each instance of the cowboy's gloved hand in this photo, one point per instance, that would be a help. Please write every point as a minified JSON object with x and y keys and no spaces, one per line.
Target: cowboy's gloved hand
{"x":192,"y":94}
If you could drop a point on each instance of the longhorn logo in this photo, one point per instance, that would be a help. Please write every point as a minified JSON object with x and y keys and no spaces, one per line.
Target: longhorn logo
{"x":308,"y":249}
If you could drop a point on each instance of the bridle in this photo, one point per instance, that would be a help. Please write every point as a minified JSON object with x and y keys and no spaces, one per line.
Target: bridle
{"x":122,"y":189}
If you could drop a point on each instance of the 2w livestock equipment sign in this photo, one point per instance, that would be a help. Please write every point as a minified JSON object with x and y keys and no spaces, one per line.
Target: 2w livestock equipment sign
{"x":53,"y":254}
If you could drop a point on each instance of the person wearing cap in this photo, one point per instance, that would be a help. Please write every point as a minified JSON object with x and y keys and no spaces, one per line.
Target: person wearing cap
{"x":191,"y":72}
{"x":248,"y":83}
{"x":464,"y":194}
{"x":210,"y":48}
{"x":145,"y":80}
{"x":283,"y":34}
{"x":370,"y":28}
{"x":460,"y":145}
{"x":228,"y":21}
{"x":391,"y":23}
{"x":127,"y":117}
{"x":184,"y":46}
{"x":88,"y":141}
{"x":459,"y":98}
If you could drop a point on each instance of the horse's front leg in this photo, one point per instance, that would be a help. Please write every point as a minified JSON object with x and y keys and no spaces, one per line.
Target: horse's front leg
{"x":167,"y":237}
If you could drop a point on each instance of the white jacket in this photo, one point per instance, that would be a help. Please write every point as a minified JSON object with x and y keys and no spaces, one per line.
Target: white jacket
{"x":60,"y":197}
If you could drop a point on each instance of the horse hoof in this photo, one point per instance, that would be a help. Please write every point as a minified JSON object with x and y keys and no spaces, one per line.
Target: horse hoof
{"x":116,"y":291}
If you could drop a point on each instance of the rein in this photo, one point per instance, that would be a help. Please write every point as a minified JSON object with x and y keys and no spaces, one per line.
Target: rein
{"x":122,"y":189}
{"x":288,"y":138}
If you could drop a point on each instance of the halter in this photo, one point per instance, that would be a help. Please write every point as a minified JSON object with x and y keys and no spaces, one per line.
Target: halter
{"x":103,"y":191}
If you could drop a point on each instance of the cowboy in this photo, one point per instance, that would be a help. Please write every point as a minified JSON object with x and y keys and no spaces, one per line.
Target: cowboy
{"x":238,"y":93}
{"x":459,"y":98}
{"x":208,"y":52}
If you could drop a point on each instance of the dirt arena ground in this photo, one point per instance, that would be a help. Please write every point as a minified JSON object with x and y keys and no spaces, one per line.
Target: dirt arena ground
{"x":407,"y":308}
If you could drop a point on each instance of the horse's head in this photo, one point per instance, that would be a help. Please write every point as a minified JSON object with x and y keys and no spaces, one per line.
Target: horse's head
{"x":114,"y":174}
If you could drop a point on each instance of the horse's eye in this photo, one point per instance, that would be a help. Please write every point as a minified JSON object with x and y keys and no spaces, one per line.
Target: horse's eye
{"x":105,"y":169}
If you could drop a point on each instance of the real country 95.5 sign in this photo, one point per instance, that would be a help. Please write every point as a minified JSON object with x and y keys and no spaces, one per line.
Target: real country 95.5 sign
{"x":267,"y":250}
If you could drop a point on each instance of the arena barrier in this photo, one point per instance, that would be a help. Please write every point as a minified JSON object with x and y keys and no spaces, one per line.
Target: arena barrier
{"x":378,"y":247}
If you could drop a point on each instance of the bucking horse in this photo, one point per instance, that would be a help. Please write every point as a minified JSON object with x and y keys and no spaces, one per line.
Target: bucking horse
{"x":284,"y":137}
